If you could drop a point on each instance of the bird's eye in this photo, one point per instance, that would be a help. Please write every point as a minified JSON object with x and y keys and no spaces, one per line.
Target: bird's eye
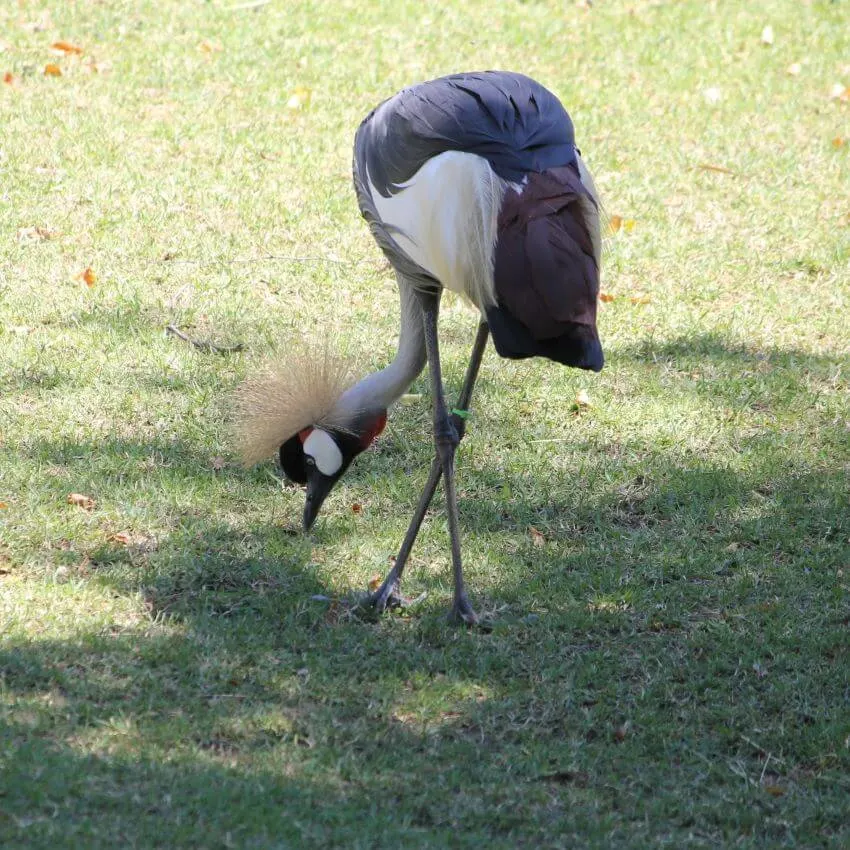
{"x":309,"y":460}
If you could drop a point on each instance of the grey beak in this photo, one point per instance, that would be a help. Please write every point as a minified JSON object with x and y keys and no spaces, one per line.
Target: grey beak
{"x":318,"y":487}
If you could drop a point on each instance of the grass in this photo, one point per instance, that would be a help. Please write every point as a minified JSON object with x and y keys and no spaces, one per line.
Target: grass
{"x":668,"y":665}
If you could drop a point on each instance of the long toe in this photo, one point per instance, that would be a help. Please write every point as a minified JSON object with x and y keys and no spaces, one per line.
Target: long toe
{"x":386,"y":597}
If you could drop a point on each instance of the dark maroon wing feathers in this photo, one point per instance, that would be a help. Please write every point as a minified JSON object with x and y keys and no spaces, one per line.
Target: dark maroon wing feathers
{"x":546,"y":277}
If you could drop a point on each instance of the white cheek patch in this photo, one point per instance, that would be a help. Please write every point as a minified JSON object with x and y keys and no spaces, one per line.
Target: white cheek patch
{"x":321,"y":447}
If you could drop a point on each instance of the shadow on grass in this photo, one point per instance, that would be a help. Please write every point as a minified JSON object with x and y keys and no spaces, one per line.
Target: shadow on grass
{"x":668,"y":634}
{"x":661,"y":500}
{"x":711,"y":366}
{"x":161,"y":741}
{"x":665,"y":501}
{"x":714,"y":348}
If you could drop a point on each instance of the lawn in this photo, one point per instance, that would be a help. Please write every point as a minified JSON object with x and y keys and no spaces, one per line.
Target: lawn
{"x":666,"y":568}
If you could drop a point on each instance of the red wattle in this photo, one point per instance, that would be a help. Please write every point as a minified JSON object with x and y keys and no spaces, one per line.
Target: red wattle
{"x":377,"y":425}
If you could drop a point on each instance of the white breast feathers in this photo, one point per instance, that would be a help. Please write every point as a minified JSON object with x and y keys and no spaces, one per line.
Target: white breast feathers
{"x":445,"y":219}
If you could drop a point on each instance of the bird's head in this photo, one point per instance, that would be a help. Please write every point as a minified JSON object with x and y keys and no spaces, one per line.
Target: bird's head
{"x":318,"y":457}
{"x":299,"y":410}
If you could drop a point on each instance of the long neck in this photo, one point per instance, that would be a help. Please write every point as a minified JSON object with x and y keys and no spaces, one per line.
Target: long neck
{"x":380,"y":389}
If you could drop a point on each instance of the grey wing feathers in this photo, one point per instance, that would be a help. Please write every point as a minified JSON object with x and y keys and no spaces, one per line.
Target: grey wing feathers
{"x":513,"y":122}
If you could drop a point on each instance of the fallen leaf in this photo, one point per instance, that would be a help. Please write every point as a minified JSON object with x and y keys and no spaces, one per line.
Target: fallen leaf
{"x":88,"y":277}
{"x":210,"y":47}
{"x":707,"y":166}
{"x":582,"y":399}
{"x":51,"y":70}
{"x":299,"y":98}
{"x":774,"y":790}
{"x":357,"y":508}
{"x":374,"y":582}
{"x":536,"y":537}
{"x":9,"y":78}
{"x":123,"y":537}
{"x":67,"y":47}
{"x":617,"y":222}
{"x":839,"y":92}
{"x":43,"y":23}
{"x":218,"y":463}
{"x":794,"y":69}
{"x":3,"y":506}
{"x":712,"y":94}
{"x":767,"y":35}
{"x":81,"y":501}
{"x":640,"y":299}
{"x":606,"y":297}
{"x":97,"y":67}
{"x":839,"y":142}
{"x":35,"y":234}
{"x":620,"y":733}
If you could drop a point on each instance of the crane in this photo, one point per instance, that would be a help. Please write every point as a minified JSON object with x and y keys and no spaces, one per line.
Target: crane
{"x":472,"y":183}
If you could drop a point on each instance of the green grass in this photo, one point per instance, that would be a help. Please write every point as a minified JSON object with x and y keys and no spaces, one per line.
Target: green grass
{"x":668,"y":669}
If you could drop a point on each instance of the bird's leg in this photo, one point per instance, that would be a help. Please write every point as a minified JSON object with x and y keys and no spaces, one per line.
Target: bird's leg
{"x":388,"y":595}
{"x":460,"y":412}
{"x":446,"y":439}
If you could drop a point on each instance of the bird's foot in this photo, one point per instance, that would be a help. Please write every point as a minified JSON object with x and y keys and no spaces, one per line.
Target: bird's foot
{"x":462,"y":612}
{"x":388,"y":597}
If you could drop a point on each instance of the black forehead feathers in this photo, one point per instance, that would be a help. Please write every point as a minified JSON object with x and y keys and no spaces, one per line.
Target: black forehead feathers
{"x":292,"y":460}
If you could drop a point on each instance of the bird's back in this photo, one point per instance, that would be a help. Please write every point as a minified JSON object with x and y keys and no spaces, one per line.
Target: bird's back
{"x":509,"y":119}
{"x":437,"y":166}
